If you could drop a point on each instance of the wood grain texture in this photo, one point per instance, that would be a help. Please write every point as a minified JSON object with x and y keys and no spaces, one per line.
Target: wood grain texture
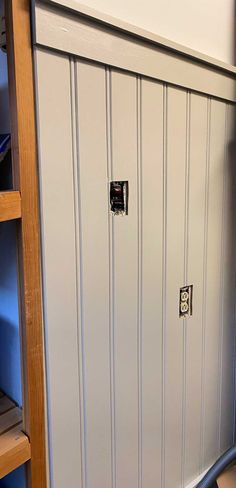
{"x":10,"y":205}
{"x":14,"y":444}
{"x":14,"y":450}
{"x":23,"y":133}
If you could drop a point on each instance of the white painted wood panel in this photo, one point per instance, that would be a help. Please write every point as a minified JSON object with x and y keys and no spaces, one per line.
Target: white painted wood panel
{"x":175,"y":227}
{"x":120,"y":24}
{"x":124,"y":167}
{"x":94,"y":269}
{"x":59,"y":270}
{"x":228,"y":299}
{"x":151,"y":200}
{"x":196,"y":215}
{"x":142,"y":397}
{"x":213,"y":278}
{"x":83,"y":36}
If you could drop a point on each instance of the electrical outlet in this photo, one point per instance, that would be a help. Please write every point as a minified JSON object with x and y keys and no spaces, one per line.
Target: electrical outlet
{"x":186,"y":301}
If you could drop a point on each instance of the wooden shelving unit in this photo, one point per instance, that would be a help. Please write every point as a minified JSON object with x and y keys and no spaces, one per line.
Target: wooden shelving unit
{"x":14,"y":444}
{"x":10,"y":205}
{"x":23,"y":431}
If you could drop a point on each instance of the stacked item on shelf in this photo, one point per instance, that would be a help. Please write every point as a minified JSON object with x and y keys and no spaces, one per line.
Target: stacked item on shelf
{"x":5,"y":144}
{"x":5,"y":162}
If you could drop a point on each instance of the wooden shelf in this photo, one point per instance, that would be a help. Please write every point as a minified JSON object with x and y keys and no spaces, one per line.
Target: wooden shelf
{"x":10,"y":205}
{"x":14,"y":444}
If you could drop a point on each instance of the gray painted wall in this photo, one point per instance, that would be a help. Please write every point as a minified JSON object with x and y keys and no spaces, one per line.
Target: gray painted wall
{"x":208,"y":27}
{"x":135,"y":392}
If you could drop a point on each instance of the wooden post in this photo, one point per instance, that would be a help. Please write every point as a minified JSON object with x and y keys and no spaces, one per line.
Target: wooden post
{"x":24,"y":154}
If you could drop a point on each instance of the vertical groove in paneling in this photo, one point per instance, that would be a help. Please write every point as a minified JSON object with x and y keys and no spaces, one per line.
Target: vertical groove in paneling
{"x":111,"y":279}
{"x":140,"y":266}
{"x":187,"y":169}
{"x":231,"y":266}
{"x":151,"y":278}
{"x":195,"y":255}
{"x":222,"y":284}
{"x":213,"y":286}
{"x":234,"y":348}
{"x":164,"y":266}
{"x":234,"y":376}
{"x":176,"y":128}
{"x":227,"y":386}
{"x":124,"y":158}
{"x":234,"y":380}
{"x":79,"y":285}
{"x":201,"y":468}
{"x":91,"y":82}
{"x":144,"y":375}
{"x":232,"y":185}
{"x":185,"y":279}
{"x":59,"y":263}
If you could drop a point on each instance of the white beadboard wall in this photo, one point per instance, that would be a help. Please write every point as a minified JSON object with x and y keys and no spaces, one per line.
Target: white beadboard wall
{"x":137,"y":396}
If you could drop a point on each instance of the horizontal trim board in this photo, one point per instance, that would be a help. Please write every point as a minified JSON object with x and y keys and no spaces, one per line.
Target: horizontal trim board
{"x":72,"y":34}
{"x":84,"y":10}
{"x":10,"y":205}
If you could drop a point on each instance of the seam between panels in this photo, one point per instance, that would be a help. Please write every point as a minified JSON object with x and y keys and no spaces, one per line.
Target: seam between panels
{"x":140,"y":266}
{"x":222,"y":286}
{"x":202,"y":433}
{"x":186,"y":242}
{"x":234,"y":375}
{"x":48,"y":402}
{"x":79,"y":283}
{"x":234,"y":365}
{"x":111,"y":276}
{"x":164,"y":269}
{"x":234,"y":316}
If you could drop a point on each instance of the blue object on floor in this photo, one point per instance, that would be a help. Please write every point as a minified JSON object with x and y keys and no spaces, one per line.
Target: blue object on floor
{"x":16,"y":479}
{"x":214,"y":472}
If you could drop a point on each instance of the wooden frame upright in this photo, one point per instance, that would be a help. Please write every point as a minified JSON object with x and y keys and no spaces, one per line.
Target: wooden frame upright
{"x":25,"y":176}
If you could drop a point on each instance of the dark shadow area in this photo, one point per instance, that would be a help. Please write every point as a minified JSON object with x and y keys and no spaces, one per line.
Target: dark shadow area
{"x":232,"y":169}
{"x":16,"y":479}
{"x":6,"y":173}
{"x":4,"y":101}
{"x":229,"y":274}
{"x":10,"y":369}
